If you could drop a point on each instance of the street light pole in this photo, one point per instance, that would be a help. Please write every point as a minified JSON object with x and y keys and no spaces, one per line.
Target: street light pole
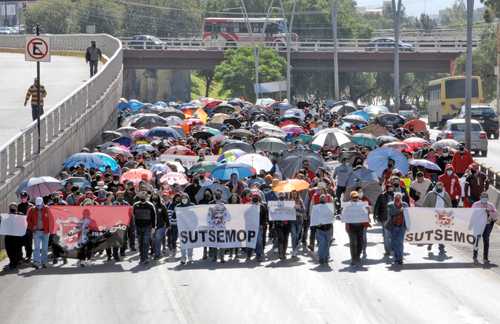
{"x":468,"y":75}
{"x":256,"y":48}
{"x":38,"y":85}
{"x":289,"y":55}
{"x":498,"y":63}
{"x":397,"y":14}
{"x":335,"y":50}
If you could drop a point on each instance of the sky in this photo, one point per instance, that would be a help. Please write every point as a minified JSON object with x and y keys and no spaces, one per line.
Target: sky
{"x":416,"y":7}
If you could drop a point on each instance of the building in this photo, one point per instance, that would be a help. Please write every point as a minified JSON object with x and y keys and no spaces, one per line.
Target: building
{"x":11,"y":12}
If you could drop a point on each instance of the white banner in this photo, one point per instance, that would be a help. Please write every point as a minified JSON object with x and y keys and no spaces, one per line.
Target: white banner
{"x":322,"y":214}
{"x":450,"y":225}
{"x":269,"y":87}
{"x":14,"y":225}
{"x":219,"y":225}
{"x":281,"y":210}
{"x":354,"y":212}
{"x":187,"y":161}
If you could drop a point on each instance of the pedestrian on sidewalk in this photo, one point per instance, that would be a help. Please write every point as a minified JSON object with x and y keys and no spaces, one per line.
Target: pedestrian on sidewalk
{"x":92,"y":57}
{"x":492,"y":215}
{"x":36,"y":102}
{"x":39,"y":223}
{"x":396,"y":224}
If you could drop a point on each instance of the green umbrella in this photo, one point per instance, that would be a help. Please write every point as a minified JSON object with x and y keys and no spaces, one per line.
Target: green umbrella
{"x":367,"y":140}
{"x":203,"y":167}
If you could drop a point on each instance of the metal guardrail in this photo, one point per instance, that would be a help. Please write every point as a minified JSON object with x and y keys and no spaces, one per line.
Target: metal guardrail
{"x":344,"y":45}
{"x":21,"y":149}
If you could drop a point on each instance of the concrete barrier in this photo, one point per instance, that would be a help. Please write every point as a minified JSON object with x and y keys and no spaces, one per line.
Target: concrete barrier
{"x":68,"y":126}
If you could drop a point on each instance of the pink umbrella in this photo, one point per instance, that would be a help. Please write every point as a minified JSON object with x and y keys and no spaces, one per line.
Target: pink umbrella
{"x":400,"y":146}
{"x":139,"y":134}
{"x":179,"y":150}
{"x":193,"y":122}
{"x":293,"y":130}
{"x":172,"y":178}
{"x":416,"y":143}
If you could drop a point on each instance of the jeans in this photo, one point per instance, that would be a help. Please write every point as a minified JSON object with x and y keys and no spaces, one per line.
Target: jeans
{"x":36,"y":111}
{"x":355,"y":232}
{"x":259,"y":247}
{"x":186,"y":252}
{"x":324,"y":237}
{"x":283,"y":231}
{"x":397,"y":242}
{"x":40,"y":254}
{"x":386,"y":233}
{"x":338,"y":199}
{"x":172,"y":237}
{"x":296,"y":231}
{"x":159,"y":236}
{"x":486,"y":241}
{"x":93,"y":67}
{"x":143,"y":236}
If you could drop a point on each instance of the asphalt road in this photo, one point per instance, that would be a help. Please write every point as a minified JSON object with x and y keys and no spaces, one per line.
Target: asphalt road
{"x":60,"y":77}
{"x":426,"y":289}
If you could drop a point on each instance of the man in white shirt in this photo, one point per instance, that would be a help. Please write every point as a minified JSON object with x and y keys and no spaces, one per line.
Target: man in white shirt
{"x":421,"y":186}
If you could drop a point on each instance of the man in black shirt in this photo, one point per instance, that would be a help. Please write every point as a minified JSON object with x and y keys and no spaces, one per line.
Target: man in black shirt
{"x":144,"y":219}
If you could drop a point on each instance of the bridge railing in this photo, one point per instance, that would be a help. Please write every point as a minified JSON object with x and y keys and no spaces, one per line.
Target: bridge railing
{"x":344,"y":45}
{"x":83,"y":112}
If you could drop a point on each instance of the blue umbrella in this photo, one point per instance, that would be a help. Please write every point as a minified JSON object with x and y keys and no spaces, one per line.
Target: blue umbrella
{"x":377,"y":160}
{"x":80,"y":182}
{"x":224,"y":171}
{"x":124,"y":140}
{"x":92,"y":160}
{"x":367,"y":140}
{"x":159,"y":168}
{"x":122,"y":105}
{"x":361,"y":113}
{"x":161,"y":104}
{"x":135,"y":105}
{"x":163,"y":132}
{"x":142,"y":148}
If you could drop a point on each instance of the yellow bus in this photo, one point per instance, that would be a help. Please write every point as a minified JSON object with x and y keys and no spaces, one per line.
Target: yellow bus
{"x":445,"y":97}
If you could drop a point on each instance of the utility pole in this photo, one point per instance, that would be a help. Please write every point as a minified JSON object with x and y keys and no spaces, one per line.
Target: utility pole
{"x":468,"y":75}
{"x":37,"y":32}
{"x":397,"y":16}
{"x":289,"y":55}
{"x":335,"y":50}
{"x":256,"y":48}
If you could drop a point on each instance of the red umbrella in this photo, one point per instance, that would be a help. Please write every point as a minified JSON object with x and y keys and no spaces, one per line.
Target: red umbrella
{"x":172,"y":178}
{"x":212,"y":103}
{"x":180,"y":150}
{"x":193,"y":122}
{"x":136,"y":176}
{"x":293,"y":130}
{"x":416,"y":125}
{"x":416,"y":143}
{"x":400,"y":146}
{"x":287,"y":122}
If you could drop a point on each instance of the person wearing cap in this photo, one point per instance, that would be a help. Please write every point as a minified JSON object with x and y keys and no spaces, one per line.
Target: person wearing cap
{"x":144,"y":213}
{"x":437,"y":198}
{"x":421,"y":186}
{"x":461,"y":160}
{"x":355,"y":230}
{"x":452,"y":185}
{"x":475,"y":184}
{"x":13,"y":244}
{"x":38,"y":219}
{"x":396,"y":224}
{"x":27,"y":239}
{"x":492,"y":217}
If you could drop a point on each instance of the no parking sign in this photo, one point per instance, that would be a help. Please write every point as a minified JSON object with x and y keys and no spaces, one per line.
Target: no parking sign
{"x":37,"y":49}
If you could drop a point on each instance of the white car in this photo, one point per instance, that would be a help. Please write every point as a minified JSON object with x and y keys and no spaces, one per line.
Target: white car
{"x":455,"y":129}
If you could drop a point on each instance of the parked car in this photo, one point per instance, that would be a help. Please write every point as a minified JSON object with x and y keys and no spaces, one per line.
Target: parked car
{"x":4,"y":30}
{"x":146,"y":41}
{"x":455,"y":129}
{"x":486,"y":116}
{"x":409,"y":114}
{"x":387,"y":43}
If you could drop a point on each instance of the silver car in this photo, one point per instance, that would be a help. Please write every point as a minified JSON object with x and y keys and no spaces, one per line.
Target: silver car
{"x":455,"y":129}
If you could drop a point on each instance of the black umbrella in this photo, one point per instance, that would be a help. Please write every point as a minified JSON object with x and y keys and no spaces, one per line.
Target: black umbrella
{"x":241,"y":133}
{"x":203,"y":135}
{"x":233,"y":122}
{"x":224,"y":109}
{"x":110,"y":135}
{"x":149,"y":121}
{"x":167,"y":112}
{"x":291,"y":162}
{"x":390,"y":119}
{"x":233,"y":144}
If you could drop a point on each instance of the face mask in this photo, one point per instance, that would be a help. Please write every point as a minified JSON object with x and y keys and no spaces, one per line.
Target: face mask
{"x":445,"y":154}
{"x":116,"y":182}
{"x":12,"y":211}
{"x":184,"y":201}
{"x":322,"y":201}
{"x":484,"y":200}
{"x":439,"y":189}
{"x":449,"y":172}
{"x":391,"y":190}
{"x":255,"y":200}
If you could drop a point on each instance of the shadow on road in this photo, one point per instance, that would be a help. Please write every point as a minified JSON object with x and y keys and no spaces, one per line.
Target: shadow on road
{"x":446,"y":265}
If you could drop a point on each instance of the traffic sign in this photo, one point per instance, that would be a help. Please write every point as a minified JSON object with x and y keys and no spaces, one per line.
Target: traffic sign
{"x":37,"y":49}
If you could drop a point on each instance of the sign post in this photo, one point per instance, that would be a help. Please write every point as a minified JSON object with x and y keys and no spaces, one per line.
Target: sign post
{"x":38,"y":50}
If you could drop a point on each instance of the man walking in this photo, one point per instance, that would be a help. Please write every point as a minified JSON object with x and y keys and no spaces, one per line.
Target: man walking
{"x":144,"y":218}
{"x":39,"y":223}
{"x":92,"y":57}
{"x":36,"y":102}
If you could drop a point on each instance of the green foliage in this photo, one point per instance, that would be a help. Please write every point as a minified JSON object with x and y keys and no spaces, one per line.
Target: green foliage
{"x":54,"y":16}
{"x":106,"y":15}
{"x":237,"y":72}
{"x":455,"y":16}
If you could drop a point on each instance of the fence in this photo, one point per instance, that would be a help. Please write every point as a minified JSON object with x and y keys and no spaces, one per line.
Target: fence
{"x":70,"y":124}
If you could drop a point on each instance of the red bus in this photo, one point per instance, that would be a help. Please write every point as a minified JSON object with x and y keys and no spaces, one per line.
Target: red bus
{"x":227,"y":31}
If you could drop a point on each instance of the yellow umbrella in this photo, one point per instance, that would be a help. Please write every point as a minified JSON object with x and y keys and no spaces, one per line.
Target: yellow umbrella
{"x":291,"y":185}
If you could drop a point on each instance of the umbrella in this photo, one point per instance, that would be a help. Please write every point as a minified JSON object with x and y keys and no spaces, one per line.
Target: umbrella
{"x":116,"y":150}
{"x":224,"y":171}
{"x":163,"y":132}
{"x":256,"y":161}
{"x":179,"y":150}
{"x":355,"y":119}
{"x":135,"y":105}
{"x":451,"y":143}
{"x":80,"y":182}
{"x":350,"y":156}
{"x":126,"y":130}
{"x":40,"y":186}
{"x":241,"y":133}
{"x":231,"y":155}
{"x":210,"y":103}
{"x":291,"y":163}
{"x":110,"y":135}
{"x":289,"y":121}
{"x":159,"y":168}
{"x":391,"y":119}
{"x":400,"y":146}
{"x":214,"y":187}
{"x":377,"y":160}
{"x":171,"y":112}
{"x":343,"y":108}
{"x":149,"y":121}
{"x":376,"y":110}
{"x":143,"y":148}
{"x":233,"y":122}
{"x":294,"y":112}
{"x":224,"y":108}
{"x":291,"y":185}
{"x":172,"y":178}
{"x":272,"y":132}
{"x":124,"y":140}
{"x":367,"y":140}
{"x":219,"y":118}
{"x":426,"y":164}
{"x":270,"y":144}
{"x":262,"y":124}
{"x":293,"y":130}
{"x":193,"y":122}
{"x":175,"y":166}
{"x":361,"y":113}
{"x":416,"y":125}
{"x":140,"y":134}
{"x":386,"y":139}
{"x":416,"y":143}
{"x":331,"y":138}
{"x":244,"y":146}
{"x":173,"y":120}
{"x":91,"y":160}
{"x":203,"y":167}
{"x":206,"y":133}
{"x":136,"y":176}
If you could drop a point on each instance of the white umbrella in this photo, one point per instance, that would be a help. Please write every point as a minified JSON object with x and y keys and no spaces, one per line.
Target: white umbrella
{"x":173,"y":120}
{"x":42,"y":186}
{"x":331,"y":138}
{"x":256,"y":161}
{"x":426,"y":164}
{"x":270,"y":144}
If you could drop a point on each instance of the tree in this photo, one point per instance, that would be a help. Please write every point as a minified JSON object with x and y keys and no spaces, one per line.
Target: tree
{"x":53,"y":16}
{"x":106,"y":16}
{"x":455,"y":16}
{"x":237,"y":71}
